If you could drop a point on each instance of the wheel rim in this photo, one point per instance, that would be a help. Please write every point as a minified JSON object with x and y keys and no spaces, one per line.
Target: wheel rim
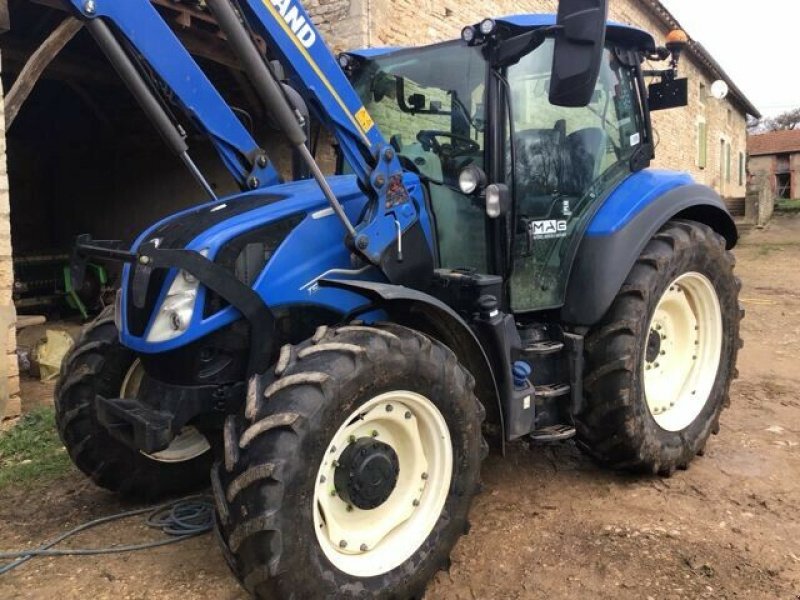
{"x":683,"y":350}
{"x":188,"y":444}
{"x":369,"y":542}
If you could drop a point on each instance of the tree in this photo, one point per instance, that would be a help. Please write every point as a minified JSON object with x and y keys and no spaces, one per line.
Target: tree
{"x":786,"y":121}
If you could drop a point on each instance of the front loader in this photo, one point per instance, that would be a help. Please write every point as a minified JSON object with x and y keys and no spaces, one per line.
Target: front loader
{"x":493,"y":256}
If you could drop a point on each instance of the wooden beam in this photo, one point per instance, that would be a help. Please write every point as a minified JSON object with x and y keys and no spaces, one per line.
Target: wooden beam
{"x":5,"y":17}
{"x":38,"y":62}
{"x":66,"y":66}
{"x":196,"y":28}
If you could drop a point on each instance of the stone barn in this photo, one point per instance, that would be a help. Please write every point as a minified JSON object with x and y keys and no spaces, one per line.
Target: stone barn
{"x":77,"y":155}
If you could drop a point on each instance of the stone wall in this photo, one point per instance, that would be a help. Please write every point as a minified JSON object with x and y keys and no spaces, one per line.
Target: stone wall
{"x":794,"y":166}
{"x":419,"y":22}
{"x":9,"y":394}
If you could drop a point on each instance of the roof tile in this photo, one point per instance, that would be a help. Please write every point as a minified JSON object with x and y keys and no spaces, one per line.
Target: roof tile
{"x":774,"y":142}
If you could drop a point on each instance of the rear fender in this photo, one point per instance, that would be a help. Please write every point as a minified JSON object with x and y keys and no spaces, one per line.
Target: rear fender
{"x":610,"y":248}
{"x":424,"y":313}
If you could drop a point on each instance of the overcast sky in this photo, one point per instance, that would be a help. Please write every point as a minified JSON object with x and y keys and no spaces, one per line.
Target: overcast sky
{"x":755,"y":42}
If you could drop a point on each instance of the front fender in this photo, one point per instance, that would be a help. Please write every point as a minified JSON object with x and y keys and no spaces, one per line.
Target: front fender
{"x":618,"y":234}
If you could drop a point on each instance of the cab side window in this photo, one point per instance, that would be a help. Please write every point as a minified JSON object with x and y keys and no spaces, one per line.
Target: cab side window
{"x":565,"y":159}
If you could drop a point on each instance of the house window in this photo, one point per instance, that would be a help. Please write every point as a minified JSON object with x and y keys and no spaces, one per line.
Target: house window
{"x":702,"y":145}
{"x":742,"y":167}
{"x":730,"y":117}
{"x":703,"y":93}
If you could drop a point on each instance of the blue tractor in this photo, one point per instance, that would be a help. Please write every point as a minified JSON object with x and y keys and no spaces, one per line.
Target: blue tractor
{"x":493,"y":258}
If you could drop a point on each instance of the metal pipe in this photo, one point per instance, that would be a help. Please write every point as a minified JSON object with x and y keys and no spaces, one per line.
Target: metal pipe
{"x":264,"y":81}
{"x":316,"y":172}
{"x":138,"y":87}
{"x":198,"y":175}
{"x":144,"y":96}
{"x":272,"y":95}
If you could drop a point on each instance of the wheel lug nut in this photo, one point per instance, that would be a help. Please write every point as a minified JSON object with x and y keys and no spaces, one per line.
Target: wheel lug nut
{"x":663,"y":352}
{"x":408,"y":415}
{"x":415,"y":502}
{"x":352,"y":439}
{"x":333,"y":449}
{"x":336,"y":464}
{"x":322,"y":479}
{"x":343,"y":544}
{"x":374,"y":433}
{"x":364,"y":548}
{"x":389,"y":408}
{"x":333,"y":493}
{"x":424,"y":476}
{"x":349,"y":508}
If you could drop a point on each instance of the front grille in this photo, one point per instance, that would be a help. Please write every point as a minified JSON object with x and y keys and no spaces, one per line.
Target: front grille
{"x":248,"y":254}
{"x":177,"y":233}
{"x":138,"y":318}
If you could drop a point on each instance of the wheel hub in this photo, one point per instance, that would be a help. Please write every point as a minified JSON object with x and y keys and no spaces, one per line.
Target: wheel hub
{"x":653,"y":346}
{"x":367,"y":473}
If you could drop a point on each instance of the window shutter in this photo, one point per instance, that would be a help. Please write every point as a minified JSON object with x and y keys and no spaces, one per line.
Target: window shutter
{"x":741,"y":168}
{"x":702,"y":145}
{"x":728,"y":162}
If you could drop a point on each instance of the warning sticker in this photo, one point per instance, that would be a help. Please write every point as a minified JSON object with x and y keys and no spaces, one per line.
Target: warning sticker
{"x":363,"y":118}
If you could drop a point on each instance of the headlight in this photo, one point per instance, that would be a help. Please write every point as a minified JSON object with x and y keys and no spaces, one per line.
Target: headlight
{"x":177,"y":309}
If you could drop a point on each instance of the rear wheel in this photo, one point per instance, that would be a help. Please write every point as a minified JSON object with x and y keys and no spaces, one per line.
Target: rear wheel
{"x":352,"y":471}
{"x":661,"y":362}
{"x":100,"y":365}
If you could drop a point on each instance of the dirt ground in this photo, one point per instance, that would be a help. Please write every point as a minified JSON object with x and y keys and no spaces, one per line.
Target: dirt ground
{"x":550,"y":524}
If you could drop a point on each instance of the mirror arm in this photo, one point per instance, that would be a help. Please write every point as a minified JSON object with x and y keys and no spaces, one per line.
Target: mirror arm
{"x":507,"y":52}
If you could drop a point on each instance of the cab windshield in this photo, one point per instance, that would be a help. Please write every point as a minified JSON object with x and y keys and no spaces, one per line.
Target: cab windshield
{"x":430,"y":103}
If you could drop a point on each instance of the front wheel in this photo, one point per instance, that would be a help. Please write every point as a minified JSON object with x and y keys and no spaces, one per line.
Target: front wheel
{"x":660,"y":364}
{"x":99,"y":365}
{"x":352,"y":471}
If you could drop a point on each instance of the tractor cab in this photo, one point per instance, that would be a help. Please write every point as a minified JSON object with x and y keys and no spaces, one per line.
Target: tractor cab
{"x":473,"y":112}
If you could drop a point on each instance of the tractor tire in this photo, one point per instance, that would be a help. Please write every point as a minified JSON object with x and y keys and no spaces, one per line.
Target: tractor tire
{"x":660,"y":364}
{"x":98,"y":365}
{"x":292,"y":472}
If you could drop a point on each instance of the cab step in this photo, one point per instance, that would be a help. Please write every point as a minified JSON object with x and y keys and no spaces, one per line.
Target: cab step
{"x":554,"y":433}
{"x":552,"y":390}
{"x":543,"y":348}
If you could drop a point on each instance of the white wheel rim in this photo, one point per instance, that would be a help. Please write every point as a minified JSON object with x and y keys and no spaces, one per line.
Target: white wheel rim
{"x":367,"y":543}
{"x":188,"y":444}
{"x":683,"y":350}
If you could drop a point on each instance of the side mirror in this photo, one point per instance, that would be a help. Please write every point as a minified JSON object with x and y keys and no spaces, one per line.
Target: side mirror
{"x":578,"y":51}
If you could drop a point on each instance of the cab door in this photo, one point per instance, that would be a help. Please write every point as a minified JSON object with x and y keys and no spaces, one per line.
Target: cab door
{"x":565,"y":162}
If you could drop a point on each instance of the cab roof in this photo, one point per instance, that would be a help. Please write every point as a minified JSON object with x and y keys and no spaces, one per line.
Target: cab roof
{"x":625,"y":35}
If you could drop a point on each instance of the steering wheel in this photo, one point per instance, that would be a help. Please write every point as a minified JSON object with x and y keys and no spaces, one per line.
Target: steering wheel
{"x":460,"y":144}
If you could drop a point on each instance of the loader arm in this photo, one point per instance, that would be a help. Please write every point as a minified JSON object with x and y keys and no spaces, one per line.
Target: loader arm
{"x":313,"y":72}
